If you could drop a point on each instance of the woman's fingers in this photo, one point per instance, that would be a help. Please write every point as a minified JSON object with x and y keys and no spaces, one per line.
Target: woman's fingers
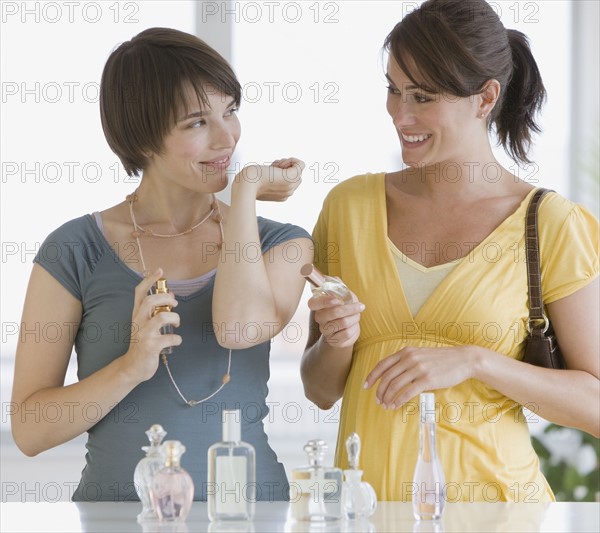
{"x":338,"y":322}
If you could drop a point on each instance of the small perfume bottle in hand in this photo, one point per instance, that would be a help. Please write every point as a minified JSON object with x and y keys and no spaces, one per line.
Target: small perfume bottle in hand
{"x":326,"y":285}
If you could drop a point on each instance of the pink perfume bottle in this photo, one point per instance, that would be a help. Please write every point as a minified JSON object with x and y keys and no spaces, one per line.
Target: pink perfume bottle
{"x":323,"y":284}
{"x":172,"y":488}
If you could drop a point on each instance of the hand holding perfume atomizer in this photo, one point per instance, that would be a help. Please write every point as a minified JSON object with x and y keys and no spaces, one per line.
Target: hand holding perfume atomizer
{"x":326,"y":285}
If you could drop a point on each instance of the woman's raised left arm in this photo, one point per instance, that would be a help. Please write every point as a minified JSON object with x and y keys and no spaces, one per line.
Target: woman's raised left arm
{"x":256,"y":295}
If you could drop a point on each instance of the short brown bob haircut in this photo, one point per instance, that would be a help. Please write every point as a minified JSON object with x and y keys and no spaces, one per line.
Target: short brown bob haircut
{"x":143,"y":90}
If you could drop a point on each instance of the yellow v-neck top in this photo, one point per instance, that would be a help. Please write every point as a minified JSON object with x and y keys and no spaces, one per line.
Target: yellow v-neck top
{"x":482,"y":436}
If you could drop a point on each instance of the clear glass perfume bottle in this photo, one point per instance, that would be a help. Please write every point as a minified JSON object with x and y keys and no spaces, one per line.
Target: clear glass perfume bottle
{"x":323,"y":284}
{"x":172,"y":488}
{"x":429,"y":480}
{"x":231,"y":490}
{"x":162,"y":288}
{"x":145,"y":470}
{"x":316,"y":490}
{"x":360,"y":500}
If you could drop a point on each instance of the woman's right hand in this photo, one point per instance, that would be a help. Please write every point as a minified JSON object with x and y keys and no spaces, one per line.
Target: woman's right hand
{"x":339,"y":323}
{"x":147,"y":341}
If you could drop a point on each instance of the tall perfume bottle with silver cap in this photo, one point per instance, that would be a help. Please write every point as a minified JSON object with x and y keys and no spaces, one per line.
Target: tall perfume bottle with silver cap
{"x":145,"y":470}
{"x":231,"y":490}
{"x":162,"y":288}
{"x":316,"y":490}
{"x":429,"y":480}
{"x":172,"y":488}
{"x":360,"y":500}
{"x":326,"y":285}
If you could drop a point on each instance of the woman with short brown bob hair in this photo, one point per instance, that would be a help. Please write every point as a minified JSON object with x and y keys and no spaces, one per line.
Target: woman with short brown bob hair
{"x":142,"y":90}
{"x":173,"y":300}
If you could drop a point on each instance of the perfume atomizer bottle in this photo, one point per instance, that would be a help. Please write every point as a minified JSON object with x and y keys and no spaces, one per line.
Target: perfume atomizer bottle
{"x":162,"y":288}
{"x":321,"y":284}
{"x":231,"y":480}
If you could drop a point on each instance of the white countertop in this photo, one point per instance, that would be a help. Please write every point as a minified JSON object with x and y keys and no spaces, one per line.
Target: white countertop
{"x":393,"y":517}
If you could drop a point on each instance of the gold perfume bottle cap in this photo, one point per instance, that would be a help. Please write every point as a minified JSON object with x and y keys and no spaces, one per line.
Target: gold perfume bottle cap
{"x":161,"y":286}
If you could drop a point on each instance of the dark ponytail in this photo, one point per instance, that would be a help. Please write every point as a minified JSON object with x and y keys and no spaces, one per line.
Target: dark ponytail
{"x":456,"y":46}
{"x":525,"y":95}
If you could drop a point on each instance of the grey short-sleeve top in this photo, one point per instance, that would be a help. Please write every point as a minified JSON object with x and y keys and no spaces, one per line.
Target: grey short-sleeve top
{"x":78,"y":255}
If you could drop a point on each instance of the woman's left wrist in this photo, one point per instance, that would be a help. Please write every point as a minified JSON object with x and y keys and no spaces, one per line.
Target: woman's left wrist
{"x":243,"y":188}
{"x":477,"y":361}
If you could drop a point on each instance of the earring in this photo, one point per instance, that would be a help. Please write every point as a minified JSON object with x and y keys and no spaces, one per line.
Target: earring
{"x":482,"y":115}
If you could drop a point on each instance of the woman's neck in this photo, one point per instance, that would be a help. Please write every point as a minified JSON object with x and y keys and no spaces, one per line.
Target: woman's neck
{"x":168,"y":204}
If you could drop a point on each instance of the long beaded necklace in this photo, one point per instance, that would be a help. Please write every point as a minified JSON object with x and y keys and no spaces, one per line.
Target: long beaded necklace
{"x":136,"y":233}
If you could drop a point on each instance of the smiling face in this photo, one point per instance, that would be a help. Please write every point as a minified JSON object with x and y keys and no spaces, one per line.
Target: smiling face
{"x":434,"y":128}
{"x":197,"y":151}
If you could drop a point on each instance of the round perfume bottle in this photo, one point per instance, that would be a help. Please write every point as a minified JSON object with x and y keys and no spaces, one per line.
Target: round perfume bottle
{"x":145,"y":470}
{"x":172,"y":488}
{"x":360,"y":500}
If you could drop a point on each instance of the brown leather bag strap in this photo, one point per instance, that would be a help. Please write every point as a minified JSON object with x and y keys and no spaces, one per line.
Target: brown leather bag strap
{"x":538,"y":322}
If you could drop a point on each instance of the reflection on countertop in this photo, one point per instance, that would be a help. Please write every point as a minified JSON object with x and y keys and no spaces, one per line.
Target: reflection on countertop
{"x":390,"y":517}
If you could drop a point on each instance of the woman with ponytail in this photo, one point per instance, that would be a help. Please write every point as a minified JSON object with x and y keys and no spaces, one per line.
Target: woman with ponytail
{"x":434,"y":255}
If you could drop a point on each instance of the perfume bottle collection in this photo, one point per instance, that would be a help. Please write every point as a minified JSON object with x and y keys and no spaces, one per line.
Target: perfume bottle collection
{"x":318,"y":493}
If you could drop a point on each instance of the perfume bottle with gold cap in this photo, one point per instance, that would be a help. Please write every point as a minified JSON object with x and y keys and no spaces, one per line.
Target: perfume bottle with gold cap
{"x":172,"y":488}
{"x":162,"y":288}
{"x":326,"y":285}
